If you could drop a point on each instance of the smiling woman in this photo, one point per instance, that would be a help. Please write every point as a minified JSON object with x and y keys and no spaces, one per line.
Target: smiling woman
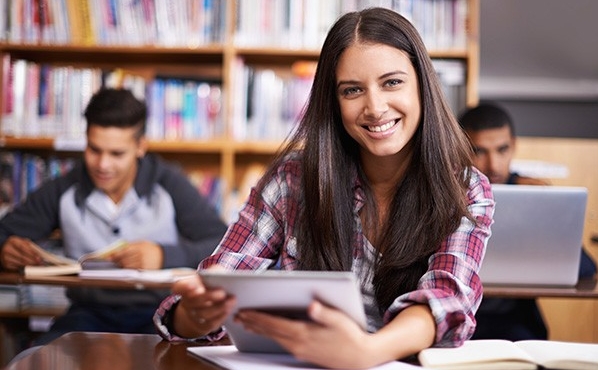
{"x":376,"y":180}
{"x":380,"y":106}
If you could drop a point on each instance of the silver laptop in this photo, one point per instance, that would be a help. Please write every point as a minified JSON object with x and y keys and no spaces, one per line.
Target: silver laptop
{"x":536,"y":236}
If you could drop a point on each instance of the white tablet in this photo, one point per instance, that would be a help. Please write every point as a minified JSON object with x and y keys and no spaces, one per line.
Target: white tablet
{"x":286,"y":293}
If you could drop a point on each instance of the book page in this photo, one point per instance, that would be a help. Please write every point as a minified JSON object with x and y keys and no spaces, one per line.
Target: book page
{"x":55,"y":264}
{"x":562,"y":355}
{"x":51,"y":258}
{"x":103,"y":253}
{"x":478,"y":354}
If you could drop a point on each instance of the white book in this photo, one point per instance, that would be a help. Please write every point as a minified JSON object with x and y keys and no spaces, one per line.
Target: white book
{"x":485,"y":354}
{"x":19,"y":81}
{"x":4,"y":9}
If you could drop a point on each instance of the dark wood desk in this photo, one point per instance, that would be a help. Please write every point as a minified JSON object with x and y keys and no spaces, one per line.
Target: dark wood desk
{"x":585,"y":288}
{"x":95,"y":351}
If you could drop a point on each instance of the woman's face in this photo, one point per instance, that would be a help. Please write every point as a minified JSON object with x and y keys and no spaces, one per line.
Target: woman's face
{"x":378,"y":93}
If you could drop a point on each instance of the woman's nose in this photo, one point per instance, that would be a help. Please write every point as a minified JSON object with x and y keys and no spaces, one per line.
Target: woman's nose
{"x":376,"y":105}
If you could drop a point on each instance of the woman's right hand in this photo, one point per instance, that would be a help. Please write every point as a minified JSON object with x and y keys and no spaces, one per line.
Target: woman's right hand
{"x":200,"y":310}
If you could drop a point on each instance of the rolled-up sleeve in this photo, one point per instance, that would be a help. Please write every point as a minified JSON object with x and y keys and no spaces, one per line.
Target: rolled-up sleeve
{"x":260,"y":238}
{"x":451,"y":287}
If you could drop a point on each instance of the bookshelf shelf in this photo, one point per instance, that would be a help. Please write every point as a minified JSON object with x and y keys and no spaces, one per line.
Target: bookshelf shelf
{"x":121,"y":55}
{"x":45,"y":143}
{"x":221,"y":55}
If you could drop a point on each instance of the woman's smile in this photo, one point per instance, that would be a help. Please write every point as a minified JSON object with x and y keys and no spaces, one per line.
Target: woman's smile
{"x":383,"y":127}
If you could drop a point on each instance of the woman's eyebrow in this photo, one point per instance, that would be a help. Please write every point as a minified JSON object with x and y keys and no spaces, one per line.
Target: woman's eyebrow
{"x":385,"y":75}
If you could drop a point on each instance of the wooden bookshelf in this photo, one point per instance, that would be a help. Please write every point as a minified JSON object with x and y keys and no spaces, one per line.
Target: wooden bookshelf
{"x":223,"y":155}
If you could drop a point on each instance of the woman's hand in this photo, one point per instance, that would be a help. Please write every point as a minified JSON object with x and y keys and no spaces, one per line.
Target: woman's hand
{"x":331,"y":339}
{"x":200,"y":310}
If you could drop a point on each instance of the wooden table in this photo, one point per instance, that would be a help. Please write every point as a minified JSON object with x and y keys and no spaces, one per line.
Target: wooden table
{"x":87,"y":351}
{"x":585,"y":288}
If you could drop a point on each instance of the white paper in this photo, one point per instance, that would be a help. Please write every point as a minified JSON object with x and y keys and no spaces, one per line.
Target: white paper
{"x":230,"y":358}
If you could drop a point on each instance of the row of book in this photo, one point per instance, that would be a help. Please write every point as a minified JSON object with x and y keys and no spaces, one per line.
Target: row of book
{"x":303,"y":24}
{"x":184,"y":109}
{"x":17,"y":334}
{"x":267,"y":103}
{"x":42,"y":100}
{"x":453,"y":75}
{"x":47,"y":101}
{"x":21,"y":297}
{"x":21,"y":173}
{"x":191,"y":23}
{"x":182,"y":23}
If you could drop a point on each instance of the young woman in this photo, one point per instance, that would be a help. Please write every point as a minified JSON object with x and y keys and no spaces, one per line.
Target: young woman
{"x":376,"y":180}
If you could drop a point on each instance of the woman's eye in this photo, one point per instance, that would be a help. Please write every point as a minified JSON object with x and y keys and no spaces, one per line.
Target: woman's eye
{"x":350,"y":91}
{"x":393,"y":82}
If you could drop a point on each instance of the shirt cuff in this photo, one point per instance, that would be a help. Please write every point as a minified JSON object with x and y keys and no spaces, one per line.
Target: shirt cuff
{"x":163,"y":320}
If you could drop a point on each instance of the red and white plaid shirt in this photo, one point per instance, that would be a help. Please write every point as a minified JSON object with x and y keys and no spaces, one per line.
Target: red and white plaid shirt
{"x":262,"y":238}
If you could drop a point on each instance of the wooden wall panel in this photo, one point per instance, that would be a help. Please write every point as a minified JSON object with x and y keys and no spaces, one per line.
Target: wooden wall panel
{"x":570,"y":319}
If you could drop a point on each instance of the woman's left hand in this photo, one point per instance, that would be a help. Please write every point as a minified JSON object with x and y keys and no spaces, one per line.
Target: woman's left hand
{"x":331,"y":339}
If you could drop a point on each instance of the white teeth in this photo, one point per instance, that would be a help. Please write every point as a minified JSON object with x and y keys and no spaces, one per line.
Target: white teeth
{"x":381,"y":128}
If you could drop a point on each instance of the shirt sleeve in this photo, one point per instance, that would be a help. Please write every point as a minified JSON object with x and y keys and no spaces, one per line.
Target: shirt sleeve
{"x":38,"y":215}
{"x":256,"y":240}
{"x":451,"y":287}
{"x":162,"y":321}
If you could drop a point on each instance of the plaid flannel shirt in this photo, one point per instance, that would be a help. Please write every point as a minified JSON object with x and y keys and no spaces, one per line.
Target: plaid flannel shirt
{"x":263,"y":238}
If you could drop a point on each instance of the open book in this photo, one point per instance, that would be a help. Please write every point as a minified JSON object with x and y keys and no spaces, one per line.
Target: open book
{"x":59,"y":265}
{"x":503,"y":354}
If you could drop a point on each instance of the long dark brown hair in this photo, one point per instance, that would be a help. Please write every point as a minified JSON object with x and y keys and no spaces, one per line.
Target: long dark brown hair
{"x":427,"y":205}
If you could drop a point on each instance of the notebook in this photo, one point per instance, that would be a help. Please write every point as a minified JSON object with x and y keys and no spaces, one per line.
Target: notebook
{"x":536,"y":236}
{"x":284,"y":293}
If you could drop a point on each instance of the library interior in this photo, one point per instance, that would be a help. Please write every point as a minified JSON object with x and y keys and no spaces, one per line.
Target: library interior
{"x":225,"y":83}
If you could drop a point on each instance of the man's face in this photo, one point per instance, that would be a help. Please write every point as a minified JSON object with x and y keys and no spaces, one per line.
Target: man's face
{"x":494,"y":149}
{"x":111,"y":158}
